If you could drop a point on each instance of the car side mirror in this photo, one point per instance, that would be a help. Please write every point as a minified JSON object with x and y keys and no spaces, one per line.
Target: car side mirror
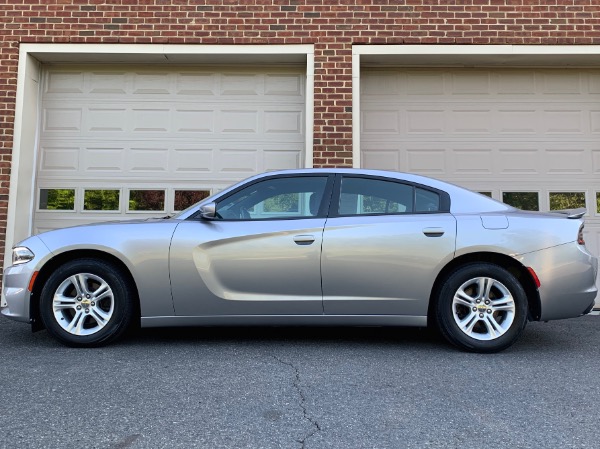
{"x":208,"y":211}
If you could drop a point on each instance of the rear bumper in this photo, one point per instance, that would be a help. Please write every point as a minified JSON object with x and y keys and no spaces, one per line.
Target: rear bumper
{"x":567,"y":276}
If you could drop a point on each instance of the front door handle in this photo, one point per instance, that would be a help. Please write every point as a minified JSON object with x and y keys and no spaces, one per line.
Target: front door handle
{"x":433,"y":232}
{"x":304,"y":239}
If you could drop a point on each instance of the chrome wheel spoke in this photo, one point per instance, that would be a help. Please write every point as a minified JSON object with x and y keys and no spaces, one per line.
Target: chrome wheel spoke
{"x":462,"y":298}
{"x":64,"y":302}
{"x":79,"y":281}
{"x":100,"y":316}
{"x":494,"y":329}
{"x":486,"y":288}
{"x":76,"y":324}
{"x":102,"y":291}
{"x":102,"y":295}
{"x":468,"y":323}
{"x":505,"y":303}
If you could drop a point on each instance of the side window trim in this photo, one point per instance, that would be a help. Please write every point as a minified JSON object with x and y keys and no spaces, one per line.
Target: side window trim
{"x":323,"y":207}
{"x":337,"y":191}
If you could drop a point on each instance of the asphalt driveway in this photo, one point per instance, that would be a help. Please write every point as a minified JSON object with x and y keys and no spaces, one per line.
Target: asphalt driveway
{"x":301,"y":387}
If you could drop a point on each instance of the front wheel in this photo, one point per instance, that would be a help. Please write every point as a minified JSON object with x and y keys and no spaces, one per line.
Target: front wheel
{"x":87,"y":302}
{"x":481,"y":307}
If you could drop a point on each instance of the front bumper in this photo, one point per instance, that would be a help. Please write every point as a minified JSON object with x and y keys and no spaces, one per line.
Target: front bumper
{"x":567,"y":275}
{"x":15,"y":293}
{"x":16,"y":282}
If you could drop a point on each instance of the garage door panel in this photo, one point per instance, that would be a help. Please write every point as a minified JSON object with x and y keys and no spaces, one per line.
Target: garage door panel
{"x":469,"y":83}
{"x":380,"y":84}
{"x":469,"y":161}
{"x":279,"y":159}
{"x":238,"y":121}
{"x":517,"y":120}
{"x":193,"y":160}
{"x":151,"y":83}
{"x":561,"y":121}
{"x":283,"y":85}
{"x":59,"y":82}
{"x":159,"y":128}
{"x":516,"y":83}
{"x":561,"y":82}
{"x":106,"y":83}
{"x":518,"y":160}
{"x":470,"y":120}
{"x":106,"y":120}
{"x":194,"y":120}
{"x":426,"y":160}
{"x":62,"y":120}
{"x":380,"y":121}
{"x":148,"y":160}
{"x":241,"y":161}
{"x":380,"y":158}
{"x":103,"y":159}
{"x":566,"y":161}
{"x":285,"y":123}
{"x":421,"y":83}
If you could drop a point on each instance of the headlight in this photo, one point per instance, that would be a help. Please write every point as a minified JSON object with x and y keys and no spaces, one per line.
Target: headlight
{"x":20,"y":255}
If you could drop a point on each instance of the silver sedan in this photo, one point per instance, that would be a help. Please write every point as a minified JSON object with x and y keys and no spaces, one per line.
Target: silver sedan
{"x":312,"y":247}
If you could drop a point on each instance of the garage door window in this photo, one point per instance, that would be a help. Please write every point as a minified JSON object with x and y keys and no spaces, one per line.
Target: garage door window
{"x":566,"y":200}
{"x":101,"y":200}
{"x":57,"y":199}
{"x":147,"y":200}
{"x":522,"y":200}
{"x":185,"y":198}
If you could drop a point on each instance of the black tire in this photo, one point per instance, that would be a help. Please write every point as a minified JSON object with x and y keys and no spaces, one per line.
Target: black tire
{"x":96,"y":311}
{"x":477,"y":321}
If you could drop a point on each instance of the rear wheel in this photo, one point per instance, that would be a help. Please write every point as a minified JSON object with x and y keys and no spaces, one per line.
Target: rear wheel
{"x":87,"y":302}
{"x":481,"y":308}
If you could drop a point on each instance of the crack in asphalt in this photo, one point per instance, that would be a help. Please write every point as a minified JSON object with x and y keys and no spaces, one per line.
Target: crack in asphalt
{"x":306,"y":415}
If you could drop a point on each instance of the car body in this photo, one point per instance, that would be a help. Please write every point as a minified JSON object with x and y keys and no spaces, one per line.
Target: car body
{"x":312,"y":247}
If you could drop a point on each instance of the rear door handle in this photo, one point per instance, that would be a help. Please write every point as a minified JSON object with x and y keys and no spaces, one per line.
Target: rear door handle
{"x":433,"y":232}
{"x":304,"y":239}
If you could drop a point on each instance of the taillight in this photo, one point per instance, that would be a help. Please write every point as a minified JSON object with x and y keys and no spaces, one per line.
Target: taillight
{"x":580,"y":239}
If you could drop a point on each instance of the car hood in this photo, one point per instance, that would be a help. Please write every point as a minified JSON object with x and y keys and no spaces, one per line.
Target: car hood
{"x":113,"y":236}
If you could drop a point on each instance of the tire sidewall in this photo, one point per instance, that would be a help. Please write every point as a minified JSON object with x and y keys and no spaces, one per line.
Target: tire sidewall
{"x":122,"y":312}
{"x":445,"y":313}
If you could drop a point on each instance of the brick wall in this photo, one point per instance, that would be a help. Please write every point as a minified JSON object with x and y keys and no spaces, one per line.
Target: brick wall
{"x":332,"y":26}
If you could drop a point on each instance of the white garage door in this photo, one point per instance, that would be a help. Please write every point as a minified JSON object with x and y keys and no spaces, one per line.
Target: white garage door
{"x":124,"y":142}
{"x":530,"y":138}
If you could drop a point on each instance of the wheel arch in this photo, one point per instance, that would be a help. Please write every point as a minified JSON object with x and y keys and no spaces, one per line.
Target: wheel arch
{"x":60,"y":259}
{"x":508,"y":263}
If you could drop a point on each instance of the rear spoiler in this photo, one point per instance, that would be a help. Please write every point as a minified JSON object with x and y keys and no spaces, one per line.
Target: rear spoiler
{"x":571,"y":213}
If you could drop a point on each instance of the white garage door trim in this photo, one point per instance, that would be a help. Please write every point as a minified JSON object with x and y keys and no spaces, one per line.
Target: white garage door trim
{"x":32,"y":56}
